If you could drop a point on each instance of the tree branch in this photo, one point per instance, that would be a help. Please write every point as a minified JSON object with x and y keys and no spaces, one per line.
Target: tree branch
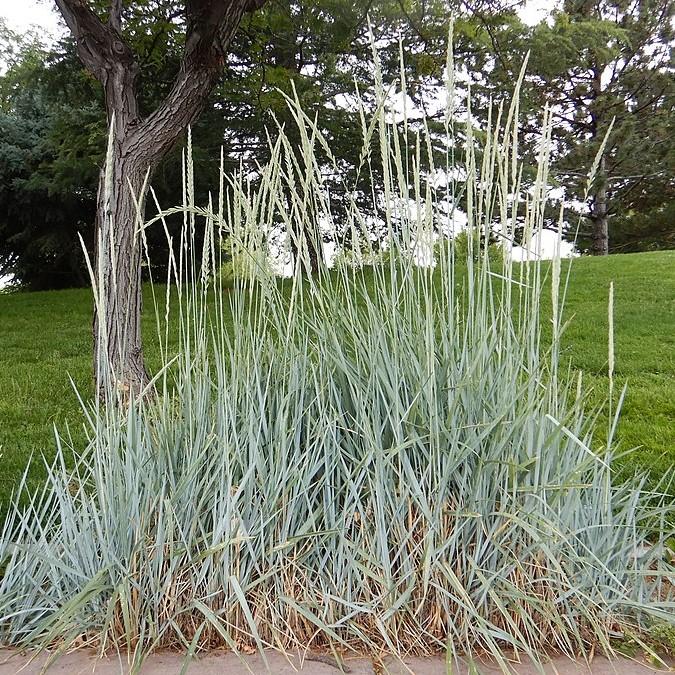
{"x":115,"y":19}
{"x":210,"y":29}
{"x":99,"y":46}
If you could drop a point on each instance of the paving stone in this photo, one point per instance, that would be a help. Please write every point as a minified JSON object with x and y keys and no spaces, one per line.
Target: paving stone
{"x":558,"y":666}
{"x":225,"y":663}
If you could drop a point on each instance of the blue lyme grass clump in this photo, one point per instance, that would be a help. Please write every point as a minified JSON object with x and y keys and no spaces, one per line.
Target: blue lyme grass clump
{"x":383,"y":460}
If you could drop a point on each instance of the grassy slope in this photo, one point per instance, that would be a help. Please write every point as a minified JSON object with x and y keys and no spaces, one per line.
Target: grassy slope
{"x":44,"y":336}
{"x":644,"y":320}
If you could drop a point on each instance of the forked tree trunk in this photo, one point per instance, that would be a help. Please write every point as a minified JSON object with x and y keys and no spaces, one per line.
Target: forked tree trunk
{"x":137,"y":145}
{"x":307,"y":249}
{"x":118,"y":350}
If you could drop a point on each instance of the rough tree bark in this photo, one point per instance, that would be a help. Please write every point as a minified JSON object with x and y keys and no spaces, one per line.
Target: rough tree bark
{"x":599,"y":217}
{"x":137,"y":146}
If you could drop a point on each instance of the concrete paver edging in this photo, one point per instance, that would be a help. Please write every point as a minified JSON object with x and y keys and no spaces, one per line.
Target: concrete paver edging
{"x":221,"y":663}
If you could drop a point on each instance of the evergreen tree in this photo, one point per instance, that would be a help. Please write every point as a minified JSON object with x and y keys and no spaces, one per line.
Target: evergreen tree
{"x":598,"y":63}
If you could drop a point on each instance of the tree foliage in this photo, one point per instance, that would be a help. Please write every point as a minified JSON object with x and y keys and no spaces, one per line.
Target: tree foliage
{"x":592,"y":62}
{"x":316,"y":51}
{"x":598,"y":63}
{"x":50,"y":144}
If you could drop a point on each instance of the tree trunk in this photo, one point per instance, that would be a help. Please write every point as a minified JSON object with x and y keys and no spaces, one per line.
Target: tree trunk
{"x":306,"y":245}
{"x":311,"y":260}
{"x":315,"y":252}
{"x":136,"y":146}
{"x":118,"y":351}
{"x":600,"y":220}
{"x":118,"y":348}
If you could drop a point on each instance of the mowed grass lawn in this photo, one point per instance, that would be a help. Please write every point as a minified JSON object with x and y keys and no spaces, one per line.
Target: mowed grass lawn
{"x":46,"y":337}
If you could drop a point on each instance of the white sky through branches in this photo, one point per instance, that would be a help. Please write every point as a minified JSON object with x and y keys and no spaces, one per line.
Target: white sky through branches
{"x":22,"y":14}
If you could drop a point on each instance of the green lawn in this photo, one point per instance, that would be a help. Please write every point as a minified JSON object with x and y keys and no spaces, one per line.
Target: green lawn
{"x":44,"y":337}
{"x":644,"y":323}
